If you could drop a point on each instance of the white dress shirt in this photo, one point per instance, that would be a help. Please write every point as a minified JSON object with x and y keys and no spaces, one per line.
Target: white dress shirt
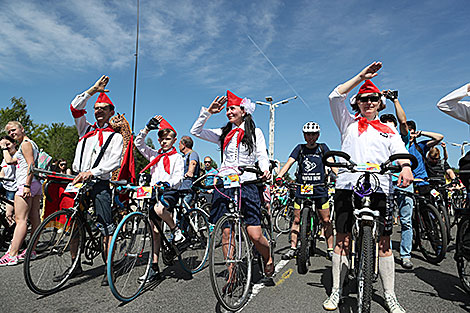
{"x":452,"y":105}
{"x":233,"y":156}
{"x":112,"y":156}
{"x":158,"y":171}
{"x":371,"y":146}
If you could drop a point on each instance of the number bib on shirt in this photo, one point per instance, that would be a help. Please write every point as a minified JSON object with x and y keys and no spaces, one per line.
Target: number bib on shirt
{"x":306,"y":189}
{"x":370,"y":167}
{"x":231,"y":181}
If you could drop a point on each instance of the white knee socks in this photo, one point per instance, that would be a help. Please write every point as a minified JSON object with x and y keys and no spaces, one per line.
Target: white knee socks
{"x":387,"y":273}
{"x":339,"y":268}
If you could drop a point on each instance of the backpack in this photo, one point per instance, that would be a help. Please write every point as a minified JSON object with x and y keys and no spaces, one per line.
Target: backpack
{"x":321,"y":147}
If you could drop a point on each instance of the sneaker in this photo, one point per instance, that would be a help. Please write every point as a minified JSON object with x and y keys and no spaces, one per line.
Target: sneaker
{"x":76,"y":272}
{"x":329,"y":254}
{"x":8,"y":260}
{"x":178,"y":236}
{"x":152,"y":276}
{"x":392,"y":304}
{"x":406,"y":263}
{"x":290,"y":254}
{"x":21,"y":256}
{"x":333,"y":300}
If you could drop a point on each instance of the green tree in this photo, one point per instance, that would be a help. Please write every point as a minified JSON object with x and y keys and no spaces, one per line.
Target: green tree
{"x":60,"y":141}
{"x":17,"y":112}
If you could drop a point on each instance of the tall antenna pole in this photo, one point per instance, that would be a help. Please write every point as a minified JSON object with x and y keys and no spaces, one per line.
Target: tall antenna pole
{"x":135,"y":70}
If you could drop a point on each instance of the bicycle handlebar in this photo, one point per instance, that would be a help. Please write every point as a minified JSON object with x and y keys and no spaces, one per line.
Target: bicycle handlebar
{"x":386,"y":166}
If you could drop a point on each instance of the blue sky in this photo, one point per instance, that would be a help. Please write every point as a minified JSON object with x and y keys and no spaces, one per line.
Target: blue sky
{"x":192,"y":51}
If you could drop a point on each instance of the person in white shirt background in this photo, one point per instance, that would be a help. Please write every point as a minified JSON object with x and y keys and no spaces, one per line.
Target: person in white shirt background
{"x":241,"y":144}
{"x":8,"y":171}
{"x":365,"y":139}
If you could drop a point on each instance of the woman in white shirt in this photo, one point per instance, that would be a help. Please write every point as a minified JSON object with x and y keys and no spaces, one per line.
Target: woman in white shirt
{"x":241,"y":144}
{"x":28,"y":195}
{"x":365,"y":139}
{"x":8,"y":171}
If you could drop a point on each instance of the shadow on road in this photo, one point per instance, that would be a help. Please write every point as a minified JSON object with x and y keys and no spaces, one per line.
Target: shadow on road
{"x":447,"y":286}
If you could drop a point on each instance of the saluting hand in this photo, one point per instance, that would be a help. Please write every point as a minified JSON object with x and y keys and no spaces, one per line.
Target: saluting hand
{"x":217,"y":105}
{"x":371,"y":70}
{"x":100,"y":85}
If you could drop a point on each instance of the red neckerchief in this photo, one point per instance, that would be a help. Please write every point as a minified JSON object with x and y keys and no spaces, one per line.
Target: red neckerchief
{"x":363,"y":123}
{"x":98,"y":131}
{"x":166,"y":160}
{"x":230,"y":135}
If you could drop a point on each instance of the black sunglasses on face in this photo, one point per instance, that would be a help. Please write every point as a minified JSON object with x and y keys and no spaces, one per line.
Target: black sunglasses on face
{"x":367,"y":98}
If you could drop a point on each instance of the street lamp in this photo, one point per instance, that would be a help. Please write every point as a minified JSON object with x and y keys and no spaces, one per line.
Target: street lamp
{"x":272,"y":108}
{"x":461,"y":145}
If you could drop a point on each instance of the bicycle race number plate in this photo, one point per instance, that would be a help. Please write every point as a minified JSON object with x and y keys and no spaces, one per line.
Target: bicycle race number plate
{"x":144,"y":192}
{"x":368,"y":167}
{"x":73,"y":188}
{"x":434,"y":193}
{"x":306,"y":189}
{"x":231,"y":181}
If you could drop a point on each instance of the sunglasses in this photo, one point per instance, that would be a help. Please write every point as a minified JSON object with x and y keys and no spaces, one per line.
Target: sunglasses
{"x":63,"y":164}
{"x":368,"y":98}
{"x":207,"y":162}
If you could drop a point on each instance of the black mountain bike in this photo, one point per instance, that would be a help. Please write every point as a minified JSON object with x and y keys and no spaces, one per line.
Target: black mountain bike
{"x":365,"y":232}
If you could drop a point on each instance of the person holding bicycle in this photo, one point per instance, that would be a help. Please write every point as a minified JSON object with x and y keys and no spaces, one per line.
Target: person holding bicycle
{"x":28,"y":195}
{"x":97,"y":154}
{"x":167,"y":169}
{"x":310,"y":170}
{"x":365,"y":139}
{"x":8,"y":171}
{"x":241,"y":143}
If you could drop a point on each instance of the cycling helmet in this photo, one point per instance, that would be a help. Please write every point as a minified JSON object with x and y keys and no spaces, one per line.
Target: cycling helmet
{"x":311,"y":127}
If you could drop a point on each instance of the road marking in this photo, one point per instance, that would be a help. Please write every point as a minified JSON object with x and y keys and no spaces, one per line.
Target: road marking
{"x":257,"y":287}
{"x":284,"y":276}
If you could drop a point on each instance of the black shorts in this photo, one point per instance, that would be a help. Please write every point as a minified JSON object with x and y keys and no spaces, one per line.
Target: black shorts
{"x":344,"y":211}
{"x":170,"y":200}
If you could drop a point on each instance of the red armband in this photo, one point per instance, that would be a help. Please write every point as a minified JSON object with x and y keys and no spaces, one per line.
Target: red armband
{"x":77,"y":113}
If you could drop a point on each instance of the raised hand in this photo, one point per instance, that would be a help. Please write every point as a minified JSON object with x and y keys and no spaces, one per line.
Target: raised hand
{"x":443,"y":145}
{"x":371,"y":70}
{"x":154,"y":122}
{"x":217,"y":105}
{"x":100,"y":85}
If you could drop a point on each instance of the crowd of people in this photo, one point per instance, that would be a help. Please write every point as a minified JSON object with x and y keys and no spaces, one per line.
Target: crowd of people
{"x":366,"y":135}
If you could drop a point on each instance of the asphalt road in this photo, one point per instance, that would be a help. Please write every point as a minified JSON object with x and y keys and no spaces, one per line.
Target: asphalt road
{"x":427,"y":288}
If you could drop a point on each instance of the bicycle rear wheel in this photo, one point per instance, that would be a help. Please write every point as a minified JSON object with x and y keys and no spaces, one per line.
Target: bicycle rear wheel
{"x":432,"y":234}
{"x":195,"y":250}
{"x":130,"y":256}
{"x":445,"y":219}
{"x":365,"y":277}
{"x":462,"y":255}
{"x":230,"y":262}
{"x":267,"y":231}
{"x":54,"y":241}
{"x":283,"y":219}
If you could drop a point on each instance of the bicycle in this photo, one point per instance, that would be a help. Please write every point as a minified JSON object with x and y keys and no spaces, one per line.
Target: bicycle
{"x":283,"y":210}
{"x":61,"y":239}
{"x":309,"y":227}
{"x":6,"y":230}
{"x":231,"y":250}
{"x":132,"y":245}
{"x":365,"y":232}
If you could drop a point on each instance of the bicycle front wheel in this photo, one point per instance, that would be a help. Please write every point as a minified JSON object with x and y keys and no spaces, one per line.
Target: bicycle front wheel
{"x":58,"y":242}
{"x":462,"y":255}
{"x":230,"y":262}
{"x":432,"y":234}
{"x":283,"y":219}
{"x":365,"y":276}
{"x":306,"y":237}
{"x":130,"y":256}
{"x":195,"y":250}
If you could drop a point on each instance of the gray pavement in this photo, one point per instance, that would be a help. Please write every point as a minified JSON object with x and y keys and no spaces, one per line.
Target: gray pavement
{"x":427,"y":288}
